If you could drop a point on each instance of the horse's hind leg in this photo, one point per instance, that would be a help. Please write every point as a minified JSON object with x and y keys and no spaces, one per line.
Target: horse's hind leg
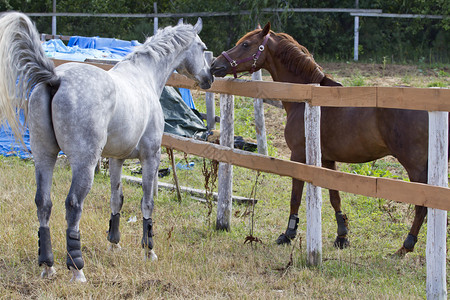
{"x":116,"y":202}
{"x":82,"y":179}
{"x":341,"y":219}
{"x":420,"y":214}
{"x":45,"y":152}
{"x":44,"y":172}
{"x":411,"y":239}
{"x":149,"y":172}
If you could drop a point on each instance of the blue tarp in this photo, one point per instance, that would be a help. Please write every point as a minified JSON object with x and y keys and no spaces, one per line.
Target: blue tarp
{"x":78,"y":49}
{"x":9,"y":146}
{"x":114,"y":46}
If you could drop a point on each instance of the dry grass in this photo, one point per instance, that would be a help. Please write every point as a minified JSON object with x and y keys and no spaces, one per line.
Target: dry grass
{"x":195,"y":261}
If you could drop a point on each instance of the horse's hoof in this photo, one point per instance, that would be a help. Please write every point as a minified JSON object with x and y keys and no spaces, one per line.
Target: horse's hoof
{"x":48,"y":272}
{"x":77,"y":276}
{"x":341,"y":242}
{"x":283,"y":239}
{"x":151,"y":255}
{"x":114,"y":247}
{"x":402,"y":252}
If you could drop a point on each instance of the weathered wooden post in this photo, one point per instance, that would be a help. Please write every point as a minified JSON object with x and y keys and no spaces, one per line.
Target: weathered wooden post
{"x":258,"y":105}
{"x":225,"y":176}
{"x":313,"y":193}
{"x":437,"y":219}
{"x":209,"y":99}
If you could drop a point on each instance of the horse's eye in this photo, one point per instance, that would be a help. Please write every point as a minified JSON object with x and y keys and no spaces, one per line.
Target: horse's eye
{"x":245,"y":45}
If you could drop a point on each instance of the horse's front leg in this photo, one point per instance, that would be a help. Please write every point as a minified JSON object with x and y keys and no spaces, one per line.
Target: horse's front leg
{"x":296,"y":199}
{"x":116,"y":201}
{"x":341,"y":219}
{"x":149,"y":172}
{"x":82,"y":179}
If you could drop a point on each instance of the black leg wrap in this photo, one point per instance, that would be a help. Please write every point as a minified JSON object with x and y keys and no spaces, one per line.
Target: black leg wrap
{"x":410,"y":242}
{"x":342,"y":222}
{"x":74,"y":258}
{"x":291,"y":231}
{"x":147,"y":237}
{"x":341,"y":241}
{"x":45,"y":247}
{"x":113,"y":232}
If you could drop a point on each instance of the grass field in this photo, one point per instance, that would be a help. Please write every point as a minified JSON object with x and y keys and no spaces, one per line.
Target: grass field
{"x":195,"y":261}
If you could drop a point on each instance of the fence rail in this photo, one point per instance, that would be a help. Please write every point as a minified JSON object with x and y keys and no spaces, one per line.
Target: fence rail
{"x":428,"y":99}
{"x":206,"y":14}
{"x":396,"y":97}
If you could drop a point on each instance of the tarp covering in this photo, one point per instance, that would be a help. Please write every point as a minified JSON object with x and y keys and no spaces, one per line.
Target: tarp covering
{"x":9,"y":146}
{"x":114,"y":46}
{"x":180,"y":116}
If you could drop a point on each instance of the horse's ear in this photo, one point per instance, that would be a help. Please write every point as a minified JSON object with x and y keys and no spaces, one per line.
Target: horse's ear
{"x":259,"y":26}
{"x":180,"y":21}
{"x":198,"y":27}
{"x":266,"y":29}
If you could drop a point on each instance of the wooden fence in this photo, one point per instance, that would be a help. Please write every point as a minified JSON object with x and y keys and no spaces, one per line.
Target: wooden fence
{"x":384,"y":97}
{"x":436,"y":198}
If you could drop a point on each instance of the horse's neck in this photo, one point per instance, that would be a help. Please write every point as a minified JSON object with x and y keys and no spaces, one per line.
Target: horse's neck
{"x":154,"y":73}
{"x":281,"y":74}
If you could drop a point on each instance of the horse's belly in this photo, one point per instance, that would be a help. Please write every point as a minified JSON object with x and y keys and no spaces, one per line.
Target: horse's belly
{"x":354,"y":150}
{"x":118,"y":150}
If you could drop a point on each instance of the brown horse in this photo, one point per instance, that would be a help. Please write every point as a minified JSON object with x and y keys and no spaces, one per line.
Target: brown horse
{"x":352,"y":135}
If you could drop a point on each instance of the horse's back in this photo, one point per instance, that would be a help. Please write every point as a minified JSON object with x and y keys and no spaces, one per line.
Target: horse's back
{"x":82,"y":108}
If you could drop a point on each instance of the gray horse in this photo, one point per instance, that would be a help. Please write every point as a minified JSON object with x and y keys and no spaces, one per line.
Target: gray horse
{"x":87,"y":113}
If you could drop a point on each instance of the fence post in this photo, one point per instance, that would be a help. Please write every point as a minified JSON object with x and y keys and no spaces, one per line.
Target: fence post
{"x":225,"y":176}
{"x":54,"y":19}
{"x":356,"y":39}
{"x":260,"y":126}
{"x":313,"y":193}
{"x":437,"y":219}
{"x":155,"y":19}
{"x":209,"y":99}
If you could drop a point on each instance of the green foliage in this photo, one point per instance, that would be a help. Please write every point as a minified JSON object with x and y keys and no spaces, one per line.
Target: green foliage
{"x":355,"y":80}
{"x":329,"y":36}
{"x":440,"y":84}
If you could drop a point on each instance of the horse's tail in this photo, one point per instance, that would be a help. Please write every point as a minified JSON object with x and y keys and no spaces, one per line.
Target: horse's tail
{"x":23,"y":64}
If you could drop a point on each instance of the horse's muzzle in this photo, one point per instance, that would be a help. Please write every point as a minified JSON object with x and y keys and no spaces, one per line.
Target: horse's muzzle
{"x":218,"y":68}
{"x":206,"y":84}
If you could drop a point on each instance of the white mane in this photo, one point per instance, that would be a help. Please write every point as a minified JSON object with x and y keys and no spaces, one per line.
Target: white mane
{"x":165,"y":41}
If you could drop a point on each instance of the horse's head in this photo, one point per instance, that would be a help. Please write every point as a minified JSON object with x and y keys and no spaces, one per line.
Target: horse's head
{"x":194,"y":65}
{"x":247,"y":56}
